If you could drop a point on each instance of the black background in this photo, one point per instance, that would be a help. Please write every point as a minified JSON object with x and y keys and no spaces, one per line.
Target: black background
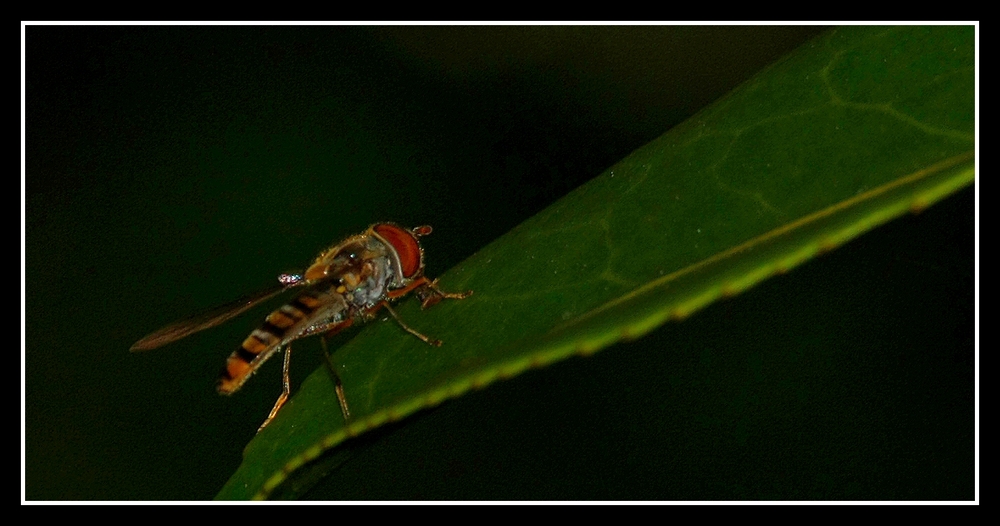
{"x":172,"y":168}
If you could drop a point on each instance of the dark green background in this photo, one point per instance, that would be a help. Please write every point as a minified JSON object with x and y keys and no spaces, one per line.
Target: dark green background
{"x":171,"y":168}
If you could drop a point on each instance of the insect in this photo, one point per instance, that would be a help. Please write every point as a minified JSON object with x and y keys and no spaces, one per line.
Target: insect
{"x":347,"y":282}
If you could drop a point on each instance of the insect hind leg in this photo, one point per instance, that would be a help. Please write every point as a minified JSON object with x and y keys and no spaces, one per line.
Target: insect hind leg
{"x":338,"y":385}
{"x":326,"y":330}
{"x":286,"y":388}
{"x":286,"y":384}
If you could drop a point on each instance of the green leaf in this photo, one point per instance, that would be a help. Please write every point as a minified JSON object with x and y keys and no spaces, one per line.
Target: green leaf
{"x":852,"y":130}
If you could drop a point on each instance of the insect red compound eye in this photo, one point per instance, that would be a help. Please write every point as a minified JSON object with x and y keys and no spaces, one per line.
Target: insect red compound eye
{"x":405,"y":244}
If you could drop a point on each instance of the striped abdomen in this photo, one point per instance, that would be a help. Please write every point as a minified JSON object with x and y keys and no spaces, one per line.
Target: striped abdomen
{"x":317,"y":304}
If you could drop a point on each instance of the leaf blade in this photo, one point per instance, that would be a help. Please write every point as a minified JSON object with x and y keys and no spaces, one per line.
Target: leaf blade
{"x":707,"y":191}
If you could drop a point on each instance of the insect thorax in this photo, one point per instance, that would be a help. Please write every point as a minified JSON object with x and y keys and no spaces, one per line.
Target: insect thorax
{"x":363,"y":272}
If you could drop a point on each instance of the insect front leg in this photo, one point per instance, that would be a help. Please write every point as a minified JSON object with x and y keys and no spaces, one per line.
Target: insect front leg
{"x":430,"y":294}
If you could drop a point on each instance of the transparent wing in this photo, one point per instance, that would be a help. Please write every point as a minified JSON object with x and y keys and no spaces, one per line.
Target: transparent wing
{"x":206,"y":320}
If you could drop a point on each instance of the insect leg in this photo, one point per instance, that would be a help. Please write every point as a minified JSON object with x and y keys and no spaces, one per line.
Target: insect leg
{"x":430,"y":294}
{"x":430,"y":341}
{"x":427,"y":291}
{"x":338,"y":386}
{"x":327,"y":329}
{"x":286,"y":387}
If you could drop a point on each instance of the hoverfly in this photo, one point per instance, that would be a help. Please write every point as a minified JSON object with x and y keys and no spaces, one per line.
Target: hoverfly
{"x":347,"y":282}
